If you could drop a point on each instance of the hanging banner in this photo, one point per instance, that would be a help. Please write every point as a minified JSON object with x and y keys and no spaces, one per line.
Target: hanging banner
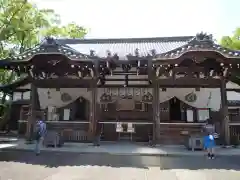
{"x":205,"y":98}
{"x":61,"y":97}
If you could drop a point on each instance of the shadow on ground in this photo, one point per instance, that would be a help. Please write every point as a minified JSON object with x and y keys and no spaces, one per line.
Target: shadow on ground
{"x":56,"y":159}
{"x":200,"y":163}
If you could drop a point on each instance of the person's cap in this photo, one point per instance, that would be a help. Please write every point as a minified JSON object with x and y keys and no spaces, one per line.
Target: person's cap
{"x":211,"y":137}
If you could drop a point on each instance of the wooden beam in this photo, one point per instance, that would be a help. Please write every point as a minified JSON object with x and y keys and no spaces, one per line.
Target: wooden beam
{"x":93,"y":125}
{"x":121,"y":86}
{"x":163,"y":83}
{"x":63,"y":82}
{"x":112,"y":79}
{"x":185,"y":82}
{"x":188,"y":82}
{"x":233,"y":89}
{"x":189,"y":70}
{"x":156,"y":112}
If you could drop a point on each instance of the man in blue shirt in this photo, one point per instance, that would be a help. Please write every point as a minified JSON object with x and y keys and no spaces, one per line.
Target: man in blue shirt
{"x":40,"y":131}
{"x":209,"y":139}
{"x":209,"y":145}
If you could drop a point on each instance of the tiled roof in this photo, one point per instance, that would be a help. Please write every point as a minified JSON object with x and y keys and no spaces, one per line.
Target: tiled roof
{"x":126,"y":46}
{"x":47,"y":46}
{"x":201,"y":42}
{"x":160,"y":48}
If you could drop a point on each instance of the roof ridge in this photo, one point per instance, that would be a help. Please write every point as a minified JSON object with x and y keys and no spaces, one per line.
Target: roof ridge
{"x":125,"y":40}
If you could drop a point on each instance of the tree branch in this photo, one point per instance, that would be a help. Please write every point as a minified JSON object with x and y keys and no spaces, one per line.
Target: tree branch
{"x":22,"y":43}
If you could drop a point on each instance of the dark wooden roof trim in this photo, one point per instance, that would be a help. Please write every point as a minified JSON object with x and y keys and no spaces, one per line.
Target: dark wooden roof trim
{"x":13,"y":86}
{"x":21,"y":102}
{"x":201,"y":43}
{"x":48,"y":46}
{"x":53,"y":46}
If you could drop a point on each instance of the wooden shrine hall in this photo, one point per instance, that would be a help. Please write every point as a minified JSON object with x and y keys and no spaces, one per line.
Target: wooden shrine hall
{"x":125,"y":89}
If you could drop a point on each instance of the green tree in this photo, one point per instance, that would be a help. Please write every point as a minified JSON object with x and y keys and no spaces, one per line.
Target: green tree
{"x":233,"y":41}
{"x":22,"y":25}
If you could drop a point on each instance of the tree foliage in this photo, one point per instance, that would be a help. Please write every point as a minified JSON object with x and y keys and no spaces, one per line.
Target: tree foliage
{"x":23,"y":25}
{"x":233,"y":41}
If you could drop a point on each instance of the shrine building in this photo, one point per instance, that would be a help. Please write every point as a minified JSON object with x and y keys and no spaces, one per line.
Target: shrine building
{"x":126,"y":89}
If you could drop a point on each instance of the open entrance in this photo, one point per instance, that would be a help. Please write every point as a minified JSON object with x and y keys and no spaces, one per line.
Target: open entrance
{"x":81,"y":109}
{"x":14,"y":117}
{"x":175,"y":109}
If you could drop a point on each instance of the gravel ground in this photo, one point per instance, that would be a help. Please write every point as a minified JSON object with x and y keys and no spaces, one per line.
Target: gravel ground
{"x":20,"y":165}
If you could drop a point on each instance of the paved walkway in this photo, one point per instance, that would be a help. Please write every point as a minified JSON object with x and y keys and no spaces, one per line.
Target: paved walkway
{"x":123,"y":149}
{"x":24,"y":165}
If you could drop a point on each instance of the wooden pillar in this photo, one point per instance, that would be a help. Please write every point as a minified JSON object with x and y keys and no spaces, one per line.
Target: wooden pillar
{"x":93,"y":112}
{"x":93,"y":108}
{"x":155,"y":104}
{"x":32,"y":112}
{"x":224,"y":113}
{"x":156,"y":112}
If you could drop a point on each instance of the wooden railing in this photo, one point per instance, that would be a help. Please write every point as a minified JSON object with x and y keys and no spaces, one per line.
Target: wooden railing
{"x":70,"y":130}
{"x":235,"y":130}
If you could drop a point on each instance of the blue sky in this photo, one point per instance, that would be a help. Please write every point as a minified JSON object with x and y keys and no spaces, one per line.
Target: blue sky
{"x":148,"y":18}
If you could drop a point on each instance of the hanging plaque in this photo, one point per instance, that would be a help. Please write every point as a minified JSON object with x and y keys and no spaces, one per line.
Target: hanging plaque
{"x":130,"y":128}
{"x":192,"y":97}
{"x":119,"y":127}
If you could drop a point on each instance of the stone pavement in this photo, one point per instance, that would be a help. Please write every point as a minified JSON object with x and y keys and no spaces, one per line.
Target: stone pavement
{"x":124,"y":149}
{"x":24,"y":165}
